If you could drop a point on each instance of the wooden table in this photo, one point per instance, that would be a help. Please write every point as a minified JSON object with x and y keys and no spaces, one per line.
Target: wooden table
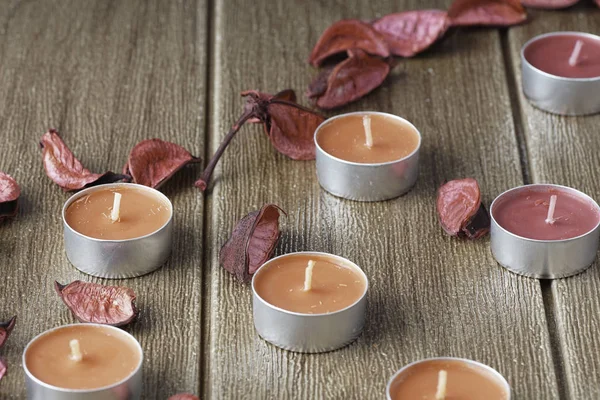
{"x":109,"y":74}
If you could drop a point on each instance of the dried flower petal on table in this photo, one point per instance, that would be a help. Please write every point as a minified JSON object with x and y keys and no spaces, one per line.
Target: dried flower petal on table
{"x":486,"y":12}
{"x":460,"y":210}
{"x":3,"y":368}
{"x":252,"y":242}
{"x":184,"y":396}
{"x":351,"y":79}
{"x":152,"y":162}
{"x":345,"y":35}
{"x":67,"y":171}
{"x":100,"y":304}
{"x":290,"y":127}
{"x":9,"y":196}
{"x":549,"y":4}
{"x":409,"y":33}
{"x":5,"y":329}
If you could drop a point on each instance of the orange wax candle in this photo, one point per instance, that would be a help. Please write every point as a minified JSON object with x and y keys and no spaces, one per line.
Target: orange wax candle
{"x":333,"y":286}
{"x":141,"y":213}
{"x":464,"y":380}
{"x":107,"y":357}
{"x":347,"y":138}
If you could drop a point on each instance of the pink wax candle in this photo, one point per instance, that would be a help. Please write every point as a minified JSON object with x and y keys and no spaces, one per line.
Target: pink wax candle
{"x":568,"y":55}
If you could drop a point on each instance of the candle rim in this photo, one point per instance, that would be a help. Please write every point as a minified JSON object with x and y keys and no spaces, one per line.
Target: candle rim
{"x":362,"y":113}
{"x":128,"y":335}
{"x":470,"y":362}
{"x":558,"y":33}
{"x":93,"y":189}
{"x":546,"y":185}
{"x":347,"y":263}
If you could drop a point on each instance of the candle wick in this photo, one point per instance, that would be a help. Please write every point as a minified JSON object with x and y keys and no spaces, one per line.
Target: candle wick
{"x":550,"y":218}
{"x":75,"y":350}
{"x":308,"y":273}
{"x":116,"y":208}
{"x":440,"y":394}
{"x":368,"y":134}
{"x":576,"y":52}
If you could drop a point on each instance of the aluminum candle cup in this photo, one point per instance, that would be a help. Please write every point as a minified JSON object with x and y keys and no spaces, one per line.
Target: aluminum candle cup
{"x":491,"y":385}
{"x":118,"y":258}
{"x":558,"y":94}
{"x":545,"y":259}
{"x":129,"y":388}
{"x":366,"y":181}
{"x":309,"y":333}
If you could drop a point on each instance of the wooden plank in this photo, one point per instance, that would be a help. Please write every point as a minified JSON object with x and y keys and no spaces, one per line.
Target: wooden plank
{"x":430,"y":295}
{"x":564,"y":150}
{"x":106,"y":75}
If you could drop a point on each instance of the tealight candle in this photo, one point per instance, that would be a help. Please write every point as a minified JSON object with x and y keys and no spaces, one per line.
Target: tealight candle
{"x":83,"y":361}
{"x":309,"y":302}
{"x":447,"y":378}
{"x":367,"y":156}
{"x":118,"y":230}
{"x":545,"y":231}
{"x":561,"y":72}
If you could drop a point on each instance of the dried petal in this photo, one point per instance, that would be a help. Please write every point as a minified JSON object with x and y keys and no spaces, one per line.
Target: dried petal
{"x":598,"y":3}
{"x":345,"y":35}
{"x":9,"y":196}
{"x":411,"y":32}
{"x":486,"y":12}
{"x":65,"y":170}
{"x":100,"y":304}
{"x":549,"y":4}
{"x":3,"y":368}
{"x":460,"y":209}
{"x":5,"y":329}
{"x":153,"y":161}
{"x":184,"y":396}
{"x":318,"y":86}
{"x":353,"y":78}
{"x":252,"y":242}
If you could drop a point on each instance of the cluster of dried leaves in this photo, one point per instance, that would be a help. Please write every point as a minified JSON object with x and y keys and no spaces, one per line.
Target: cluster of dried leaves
{"x":460,"y":209}
{"x":9,"y":196}
{"x":5,"y":330}
{"x":369,"y":46}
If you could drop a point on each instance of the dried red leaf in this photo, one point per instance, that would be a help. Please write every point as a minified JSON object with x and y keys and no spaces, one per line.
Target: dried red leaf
{"x":598,"y":3}
{"x":5,"y":329}
{"x":351,"y":79}
{"x":486,"y":12}
{"x":3,"y":368}
{"x":345,"y":35}
{"x":9,"y":196}
{"x":549,"y":4}
{"x":252,"y":242}
{"x":100,"y":304}
{"x":409,"y":33}
{"x":460,"y":209}
{"x":289,"y":126}
{"x":67,"y":171}
{"x":184,"y":396}
{"x":152,"y":162}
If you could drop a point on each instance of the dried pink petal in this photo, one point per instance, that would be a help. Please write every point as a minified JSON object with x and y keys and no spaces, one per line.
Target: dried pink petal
{"x":460,"y":210}
{"x":549,"y":4}
{"x":486,"y":12}
{"x":184,"y":396}
{"x":3,"y":368}
{"x":9,"y":196}
{"x":5,"y":329}
{"x":100,"y":304}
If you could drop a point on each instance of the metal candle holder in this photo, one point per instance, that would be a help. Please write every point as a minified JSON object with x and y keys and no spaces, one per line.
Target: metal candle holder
{"x":476,"y":365}
{"x":309,"y":333}
{"x":543,"y":259}
{"x":129,"y":388}
{"x":557,"y":94}
{"x":363,"y":181}
{"x":118,"y":258}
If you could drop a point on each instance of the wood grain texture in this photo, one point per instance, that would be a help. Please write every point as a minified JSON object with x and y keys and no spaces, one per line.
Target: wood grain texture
{"x":430,"y":295}
{"x":564,"y":150}
{"x":106,"y":75}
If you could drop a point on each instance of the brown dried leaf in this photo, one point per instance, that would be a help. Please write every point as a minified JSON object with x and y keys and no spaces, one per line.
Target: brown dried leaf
{"x":549,"y":4}
{"x":353,"y":78}
{"x":486,"y":12}
{"x":460,"y":210}
{"x":5,"y":329}
{"x":409,"y":33}
{"x":184,"y":396}
{"x":9,"y":196}
{"x":152,"y":162}
{"x":345,"y":35}
{"x":100,"y":304}
{"x":67,"y":171}
{"x":252,"y":242}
